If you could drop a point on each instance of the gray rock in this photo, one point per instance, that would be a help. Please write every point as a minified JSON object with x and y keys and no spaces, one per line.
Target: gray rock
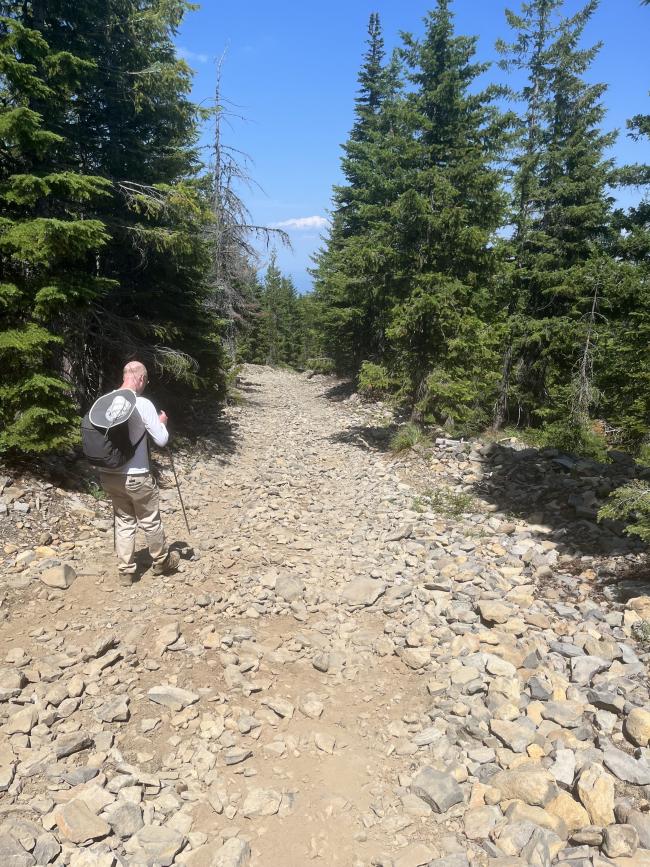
{"x":233,"y":853}
{"x":439,"y":790}
{"x":261,"y":802}
{"x":47,"y":849}
{"x":565,"y":713}
{"x":12,"y":854}
{"x":583,"y":668}
{"x":288,"y":587}
{"x":638,"y":820}
{"x":67,"y":745}
{"x":620,"y":841}
{"x":362,"y":592}
{"x":115,"y":709}
{"x":515,"y":736}
{"x":564,"y":767}
{"x":604,"y":699}
{"x":536,"y":852}
{"x":159,"y":844}
{"x":124,"y":818}
{"x":627,"y":768}
{"x":172,"y":697}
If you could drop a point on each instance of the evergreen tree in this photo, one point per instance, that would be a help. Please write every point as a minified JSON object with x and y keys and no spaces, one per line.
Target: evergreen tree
{"x":281,"y":315}
{"x":46,"y":238}
{"x":561,"y":218}
{"x":101,"y":252}
{"x":348,"y":278}
{"x":444,"y":224}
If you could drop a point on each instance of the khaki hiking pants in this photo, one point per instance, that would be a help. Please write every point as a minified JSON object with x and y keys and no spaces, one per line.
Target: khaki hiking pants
{"x":135,"y":500}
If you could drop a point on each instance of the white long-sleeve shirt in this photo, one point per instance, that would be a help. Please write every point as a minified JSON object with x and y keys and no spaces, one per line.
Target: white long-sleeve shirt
{"x":143,"y":418}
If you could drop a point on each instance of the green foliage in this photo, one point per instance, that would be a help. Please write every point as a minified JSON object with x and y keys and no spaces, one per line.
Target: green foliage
{"x":406,"y":278}
{"x":322,"y":365}
{"x":475,"y":267}
{"x":374,"y":380}
{"x":407,"y":437}
{"x":575,"y":438}
{"x":630,"y":503}
{"x":445,"y":501}
{"x":102,"y":213}
{"x":276,"y":324}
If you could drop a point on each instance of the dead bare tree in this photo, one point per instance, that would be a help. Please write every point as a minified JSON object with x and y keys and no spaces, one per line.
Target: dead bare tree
{"x":233,"y":236}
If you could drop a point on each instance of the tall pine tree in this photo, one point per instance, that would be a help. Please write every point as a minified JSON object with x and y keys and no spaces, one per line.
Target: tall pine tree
{"x":101,"y":252}
{"x":348,"y":281}
{"x":443,"y":223}
{"x":561,"y":218}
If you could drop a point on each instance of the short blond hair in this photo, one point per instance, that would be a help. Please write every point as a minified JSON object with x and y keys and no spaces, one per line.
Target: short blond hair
{"x":134,"y":368}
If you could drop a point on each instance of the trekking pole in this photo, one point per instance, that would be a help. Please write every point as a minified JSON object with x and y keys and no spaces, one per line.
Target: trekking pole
{"x":178,"y":488}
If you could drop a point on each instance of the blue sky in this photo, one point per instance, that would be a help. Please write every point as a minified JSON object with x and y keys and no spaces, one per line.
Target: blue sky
{"x":290,"y":71}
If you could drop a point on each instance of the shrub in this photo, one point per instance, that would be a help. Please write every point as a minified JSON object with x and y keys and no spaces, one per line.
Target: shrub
{"x":444,"y":501}
{"x":631,"y":502}
{"x":408,"y":436}
{"x":374,"y":380}
{"x":578,"y":439}
{"x":321,"y":365}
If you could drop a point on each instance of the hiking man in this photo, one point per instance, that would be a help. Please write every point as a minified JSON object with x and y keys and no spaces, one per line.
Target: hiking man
{"x":133,"y":489}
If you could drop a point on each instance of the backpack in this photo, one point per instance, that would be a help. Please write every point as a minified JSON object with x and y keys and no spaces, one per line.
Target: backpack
{"x":105,"y":438}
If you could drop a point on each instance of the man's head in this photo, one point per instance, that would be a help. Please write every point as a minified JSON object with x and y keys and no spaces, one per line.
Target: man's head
{"x":135,"y":376}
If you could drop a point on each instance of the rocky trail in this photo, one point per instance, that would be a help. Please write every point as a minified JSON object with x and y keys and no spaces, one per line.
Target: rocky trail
{"x":365,"y":660}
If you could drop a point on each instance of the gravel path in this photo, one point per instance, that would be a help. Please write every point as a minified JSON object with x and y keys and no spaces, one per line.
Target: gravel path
{"x":343,"y":672}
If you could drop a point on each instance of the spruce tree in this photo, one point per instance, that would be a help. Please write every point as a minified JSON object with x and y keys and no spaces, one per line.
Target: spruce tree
{"x":101,"y":253}
{"x":282,"y":325}
{"x":47,"y":238}
{"x":349,"y":275}
{"x":561,"y":217}
{"x":443,"y":224}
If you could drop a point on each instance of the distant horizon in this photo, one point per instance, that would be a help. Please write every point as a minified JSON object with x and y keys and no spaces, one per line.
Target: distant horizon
{"x":291,"y":74}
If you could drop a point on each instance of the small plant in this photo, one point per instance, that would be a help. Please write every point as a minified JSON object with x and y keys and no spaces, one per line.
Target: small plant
{"x":641,"y":632}
{"x":578,"y":439}
{"x":407,"y":437}
{"x":322,"y":365}
{"x":445,"y":502}
{"x":95,"y":490}
{"x":631,"y":502}
{"x":374,"y":380}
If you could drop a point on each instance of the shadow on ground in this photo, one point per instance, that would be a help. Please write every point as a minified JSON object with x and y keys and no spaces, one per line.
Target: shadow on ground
{"x":340,"y":391}
{"x":374,"y":437}
{"x":560,"y":492}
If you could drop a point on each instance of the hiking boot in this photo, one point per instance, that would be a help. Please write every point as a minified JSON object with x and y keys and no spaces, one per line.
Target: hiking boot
{"x":168,"y":565}
{"x":125,"y":579}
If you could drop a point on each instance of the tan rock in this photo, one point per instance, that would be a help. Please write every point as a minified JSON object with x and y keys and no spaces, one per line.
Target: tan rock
{"x":640,"y":605}
{"x":637,"y":727}
{"x":519,"y":812}
{"x":641,"y":858}
{"x":77,"y":823}
{"x":620,"y":840}
{"x":595,"y":788}
{"x":59,"y":577}
{"x":530,"y":784}
{"x":570,"y":811}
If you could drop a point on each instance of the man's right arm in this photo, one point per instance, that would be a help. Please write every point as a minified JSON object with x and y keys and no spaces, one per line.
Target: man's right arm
{"x":153,"y":423}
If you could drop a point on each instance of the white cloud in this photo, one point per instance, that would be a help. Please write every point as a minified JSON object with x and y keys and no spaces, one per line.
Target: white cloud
{"x":303,"y":223}
{"x":191,"y":56}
